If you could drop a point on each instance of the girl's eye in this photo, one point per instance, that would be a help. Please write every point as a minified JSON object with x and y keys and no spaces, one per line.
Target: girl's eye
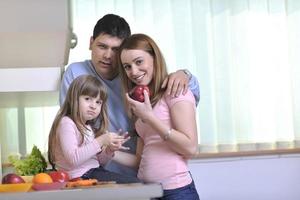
{"x":99,"y":102}
{"x":87,"y":98}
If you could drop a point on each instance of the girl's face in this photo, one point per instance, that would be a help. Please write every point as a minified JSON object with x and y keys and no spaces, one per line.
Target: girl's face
{"x":89,"y":107}
{"x":138,"y":66}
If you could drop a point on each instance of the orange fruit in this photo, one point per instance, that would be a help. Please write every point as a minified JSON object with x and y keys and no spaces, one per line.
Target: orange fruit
{"x":42,"y":178}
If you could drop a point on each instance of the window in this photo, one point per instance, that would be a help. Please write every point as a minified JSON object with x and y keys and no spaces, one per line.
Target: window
{"x":25,"y":120}
{"x":244,"y":54}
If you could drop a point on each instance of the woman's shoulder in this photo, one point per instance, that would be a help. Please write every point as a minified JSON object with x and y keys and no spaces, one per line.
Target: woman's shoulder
{"x":188,"y":96}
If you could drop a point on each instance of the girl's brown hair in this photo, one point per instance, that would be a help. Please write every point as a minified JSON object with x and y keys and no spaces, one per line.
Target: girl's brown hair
{"x":82,"y":85}
{"x":147,"y":44}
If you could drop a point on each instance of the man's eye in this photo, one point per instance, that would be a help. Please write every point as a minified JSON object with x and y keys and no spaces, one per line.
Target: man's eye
{"x":101,"y":46}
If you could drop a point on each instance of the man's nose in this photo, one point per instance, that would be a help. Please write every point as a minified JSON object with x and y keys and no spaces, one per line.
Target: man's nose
{"x":108,"y":53}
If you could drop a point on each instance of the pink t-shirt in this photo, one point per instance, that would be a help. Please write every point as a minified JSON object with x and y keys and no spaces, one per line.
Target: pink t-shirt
{"x":159,"y":163}
{"x":72,"y":157}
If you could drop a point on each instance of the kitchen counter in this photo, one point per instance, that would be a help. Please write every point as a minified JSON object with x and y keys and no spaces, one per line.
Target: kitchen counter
{"x":109,"y":192}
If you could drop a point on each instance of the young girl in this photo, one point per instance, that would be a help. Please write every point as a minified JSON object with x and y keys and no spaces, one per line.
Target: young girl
{"x":166,"y":125}
{"x":76,"y":144}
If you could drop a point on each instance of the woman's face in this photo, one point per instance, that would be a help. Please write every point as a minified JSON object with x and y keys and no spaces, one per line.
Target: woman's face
{"x":138,"y":66}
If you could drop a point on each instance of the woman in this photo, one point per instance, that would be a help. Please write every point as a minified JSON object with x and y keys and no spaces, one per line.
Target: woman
{"x":166,"y":125}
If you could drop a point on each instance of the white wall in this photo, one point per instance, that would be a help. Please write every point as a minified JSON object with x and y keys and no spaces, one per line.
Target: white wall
{"x":248,"y":178}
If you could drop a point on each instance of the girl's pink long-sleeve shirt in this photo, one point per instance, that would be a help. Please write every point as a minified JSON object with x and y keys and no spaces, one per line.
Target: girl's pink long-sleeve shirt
{"x":74,"y":157}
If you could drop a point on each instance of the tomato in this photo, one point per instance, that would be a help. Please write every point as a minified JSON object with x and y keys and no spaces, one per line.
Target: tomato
{"x":59,"y":176}
{"x":137,"y":92}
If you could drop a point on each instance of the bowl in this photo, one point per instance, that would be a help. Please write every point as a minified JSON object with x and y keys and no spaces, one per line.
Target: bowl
{"x":48,"y":186}
{"x":18,"y":187}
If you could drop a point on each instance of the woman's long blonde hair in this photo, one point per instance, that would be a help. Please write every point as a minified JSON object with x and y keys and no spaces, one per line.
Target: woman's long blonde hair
{"x":82,"y":85}
{"x":147,"y":44}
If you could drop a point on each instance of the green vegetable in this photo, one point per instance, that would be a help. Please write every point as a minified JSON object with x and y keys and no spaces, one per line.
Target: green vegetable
{"x":30,"y":165}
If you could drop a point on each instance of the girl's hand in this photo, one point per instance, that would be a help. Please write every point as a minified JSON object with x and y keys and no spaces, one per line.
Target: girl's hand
{"x":118,"y":145}
{"x":112,"y":140}
{"x":142,"y":110}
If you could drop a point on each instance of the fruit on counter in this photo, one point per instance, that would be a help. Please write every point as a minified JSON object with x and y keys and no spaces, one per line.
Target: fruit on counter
{"x":137,"y":93}
{"x":30,"y":165}
{"x":59,"y":176}
{"x":42,"y":178}
{"x":12,"y":178}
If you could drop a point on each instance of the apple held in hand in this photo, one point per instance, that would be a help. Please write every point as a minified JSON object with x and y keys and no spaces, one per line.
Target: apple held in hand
{"x":59,"y":176}
{"x":12,"y":178}
{"x":137,"y":93}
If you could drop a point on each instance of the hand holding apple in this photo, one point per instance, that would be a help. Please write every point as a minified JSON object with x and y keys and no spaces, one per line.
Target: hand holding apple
{"x":142,"y":110}
{"x":137,"y":93}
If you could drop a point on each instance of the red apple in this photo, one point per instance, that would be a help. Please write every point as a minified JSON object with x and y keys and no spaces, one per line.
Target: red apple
{"x":137,"y":93}
{"x":12,"y":178}
{"x":59,"y":176}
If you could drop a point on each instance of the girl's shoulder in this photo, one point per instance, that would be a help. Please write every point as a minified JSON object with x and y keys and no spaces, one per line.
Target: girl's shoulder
{"x":66,"y":124}
{"x":66,"y":120}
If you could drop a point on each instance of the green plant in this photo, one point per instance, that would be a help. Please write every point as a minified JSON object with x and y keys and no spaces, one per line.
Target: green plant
{"x":30,"y":165}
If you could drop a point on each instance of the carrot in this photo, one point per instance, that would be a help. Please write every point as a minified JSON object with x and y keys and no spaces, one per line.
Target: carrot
{"x":87,"y":182}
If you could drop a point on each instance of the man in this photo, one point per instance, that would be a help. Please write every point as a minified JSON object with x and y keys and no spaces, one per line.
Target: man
{"x":108,"y":34}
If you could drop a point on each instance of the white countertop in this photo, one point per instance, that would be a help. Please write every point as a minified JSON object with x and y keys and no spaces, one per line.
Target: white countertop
{"x":112,"y":192}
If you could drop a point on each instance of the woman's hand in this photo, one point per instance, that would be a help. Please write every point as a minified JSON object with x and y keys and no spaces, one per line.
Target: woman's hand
{"x":142,"y":110}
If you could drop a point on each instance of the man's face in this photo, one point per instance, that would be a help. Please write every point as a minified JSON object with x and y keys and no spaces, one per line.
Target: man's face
{"x":104,"y":49}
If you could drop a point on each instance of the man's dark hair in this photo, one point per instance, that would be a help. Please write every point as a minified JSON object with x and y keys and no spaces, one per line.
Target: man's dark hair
{"x":113,"y":25}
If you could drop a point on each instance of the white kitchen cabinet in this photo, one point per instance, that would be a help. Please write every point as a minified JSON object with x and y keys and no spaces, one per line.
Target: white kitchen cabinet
{"x":35,"y":39}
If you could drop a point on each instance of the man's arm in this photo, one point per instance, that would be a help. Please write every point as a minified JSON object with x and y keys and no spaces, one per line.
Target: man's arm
{"x":180,"y":81}
{"x":195,"y":88}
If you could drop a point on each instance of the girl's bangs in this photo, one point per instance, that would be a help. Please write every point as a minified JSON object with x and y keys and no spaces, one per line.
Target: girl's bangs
{"x":91,"y":90}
